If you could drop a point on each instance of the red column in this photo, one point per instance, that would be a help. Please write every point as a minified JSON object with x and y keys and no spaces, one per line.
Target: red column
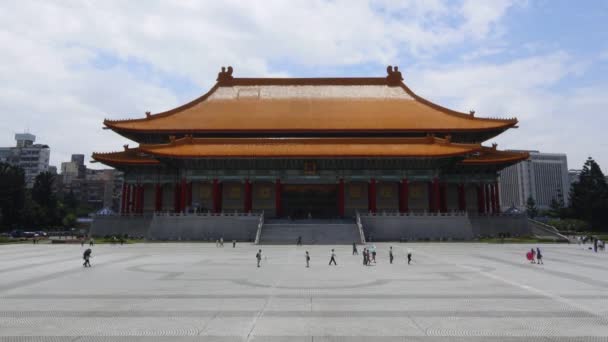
{"x":481,"y":202}
{"x":158,"y":198}
{"x":443,"y":196}
{"x":190,"y":185}
{"x":492,"y":199}
{"x":341,"y":197}
{"x":277,"y":198}
{"x":247,"y":205}
{"x":462,"y":200}
{"x":176,"y":197}
{"x":436,"y":194}
{"x":142,"y":191}
{"x":129,"y":201}
{"x":217,"y":205}
{"x":487,"y":197}
{"x":371,"y":194}
{"x":404,"y":195}
{"x":497,"y":200}
{"x":123,"y":199}
{"x":430,"y":195}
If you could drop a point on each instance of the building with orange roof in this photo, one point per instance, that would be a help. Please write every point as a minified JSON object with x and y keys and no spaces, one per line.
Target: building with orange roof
{"x":301,"y":148}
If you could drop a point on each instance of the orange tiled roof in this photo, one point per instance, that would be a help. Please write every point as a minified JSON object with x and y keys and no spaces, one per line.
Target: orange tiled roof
{"x":490,"y":155}
{"x":130,"y":156}
{"x":308,"y":147}
{"x":310,"y":104}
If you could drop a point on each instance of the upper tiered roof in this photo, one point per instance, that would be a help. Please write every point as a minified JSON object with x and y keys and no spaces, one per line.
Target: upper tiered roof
{"x":310,"y":105}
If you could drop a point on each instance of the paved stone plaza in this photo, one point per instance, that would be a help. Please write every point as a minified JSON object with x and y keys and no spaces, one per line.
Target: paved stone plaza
{"x":189,"y":291}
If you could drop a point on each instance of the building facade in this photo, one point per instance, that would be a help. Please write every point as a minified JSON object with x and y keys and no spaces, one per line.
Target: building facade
{"x":321,"y":147}
{"x":32,"y":158}
{"x":544,"y":177}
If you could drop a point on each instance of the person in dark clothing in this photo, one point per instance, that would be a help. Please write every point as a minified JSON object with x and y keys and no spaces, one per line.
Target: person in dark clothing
{"x":299,"y":242}
{"x":390,"y":254}
{"x":233,"y":243}
{"x":364,"y":252}
{"x":86,"y":256}
{"x":355,"y":251}
{"x":333,"y":258}
{"x":539,"y":257}
{"x":307,"y":259}
{"x":409,"y":256}
{"x":258,"y":256}
{"x":595,"y":245}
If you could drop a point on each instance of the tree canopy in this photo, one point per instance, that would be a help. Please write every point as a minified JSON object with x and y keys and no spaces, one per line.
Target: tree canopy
{"x":589,"y":196}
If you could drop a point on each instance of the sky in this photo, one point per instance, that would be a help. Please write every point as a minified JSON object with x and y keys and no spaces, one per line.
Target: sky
{"x":67,"y":65}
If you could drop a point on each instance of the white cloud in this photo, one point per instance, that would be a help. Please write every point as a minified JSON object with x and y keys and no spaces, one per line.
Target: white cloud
{"x":49,"y":82}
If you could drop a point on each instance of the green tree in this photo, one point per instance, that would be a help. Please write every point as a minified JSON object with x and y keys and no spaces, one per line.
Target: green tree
{"x":12,"y":195}
{"x":45,"y":208}
{"x":531,"y":209}
{"x":69,"y":221}
{"x":589,"y":196}
{"x":557,"y":206}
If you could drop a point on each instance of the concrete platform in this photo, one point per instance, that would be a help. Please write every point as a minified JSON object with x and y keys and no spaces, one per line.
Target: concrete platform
{"x":197,"y":292}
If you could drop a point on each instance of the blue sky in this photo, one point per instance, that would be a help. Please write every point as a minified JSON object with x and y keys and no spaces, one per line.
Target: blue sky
{"x":67,"y":66}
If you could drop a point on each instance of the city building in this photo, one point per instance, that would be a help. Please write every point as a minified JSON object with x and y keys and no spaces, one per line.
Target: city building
{"x":322,"y":148}
{"x":543,"y":176}
{"x":32,"y":158}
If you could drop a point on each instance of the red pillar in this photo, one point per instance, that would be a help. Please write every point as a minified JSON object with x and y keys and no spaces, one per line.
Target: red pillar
{"x":430,"y":195}
{"x":488,"y":199}
{"x":443,"y":196}
{"x":492,"y":199}
{"x":462,"y":199}
{"x":176,"y":197}
{"x":436,"y":194}
{"x":123,"y":199}
{"x":158,"y":198}
{"x":404,"y":194}
{"x":497,"y":200}
{"x":142,"y":191}
{"x":129,"y":201}
{"x":277,"y":198}
{"x":481,"y":202}
{"x":247,"y":205}
{"x":341,"y":197}
{"x":217,"y":197}
{"x":371,"y":194}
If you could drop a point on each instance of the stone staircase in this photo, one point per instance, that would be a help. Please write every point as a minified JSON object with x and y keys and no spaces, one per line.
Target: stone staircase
{"x":321,"y":232}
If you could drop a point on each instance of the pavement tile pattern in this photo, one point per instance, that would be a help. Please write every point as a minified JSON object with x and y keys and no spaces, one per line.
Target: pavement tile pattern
{"x":198,"y":292}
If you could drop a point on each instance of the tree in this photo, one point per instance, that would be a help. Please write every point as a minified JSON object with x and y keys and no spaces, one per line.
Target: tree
{"x":45,"y":210}
{"x":531,"y":209}
{"x":557,"y":205}
{"x":589,"y":196}
{"x":12,"y":195}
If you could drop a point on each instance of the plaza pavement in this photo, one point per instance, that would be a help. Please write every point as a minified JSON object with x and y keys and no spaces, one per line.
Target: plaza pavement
{"x":197,"y":292}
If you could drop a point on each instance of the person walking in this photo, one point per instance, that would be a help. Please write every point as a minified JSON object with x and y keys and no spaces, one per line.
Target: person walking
{"x":222,"y":241}
{"x":409,"y":256}
{"x":233,"y":243}
{"x":299,"y":241}
{"x":539,"y":256}
{"x":355,"y":251}
{"x":333,"y":258}
{"x":307,"y":259}
{"x":86,"y":256}
{"x":91,"y":242}
{"x":595,"y":245}
{"x":258,"y":256}
{"x":374,"y":253}
{"x":390,"y":254}
{"x":533,"y":255}
{"x":364,"y":252}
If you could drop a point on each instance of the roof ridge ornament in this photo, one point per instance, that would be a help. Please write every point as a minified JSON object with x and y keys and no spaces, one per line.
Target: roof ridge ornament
{"x":225,"y":75}
{"x":148,"y":114}
{"x":393,"y":76}
{"x":126,"y":147}
{"x":494,"y":146}
{"x":472,"y":113}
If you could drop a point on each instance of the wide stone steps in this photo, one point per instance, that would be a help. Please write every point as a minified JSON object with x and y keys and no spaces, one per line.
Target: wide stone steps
{"x":311,"y":233}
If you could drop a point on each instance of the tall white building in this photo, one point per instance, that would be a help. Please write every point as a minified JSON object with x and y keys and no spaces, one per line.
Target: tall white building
{"x":544,"y":176}
{"x":32,"y":158}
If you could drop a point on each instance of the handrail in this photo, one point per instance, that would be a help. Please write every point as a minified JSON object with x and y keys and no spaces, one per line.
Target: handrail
{"x":360,"y":227}
{"x":258,"y":234}
{"x":548,"y":228}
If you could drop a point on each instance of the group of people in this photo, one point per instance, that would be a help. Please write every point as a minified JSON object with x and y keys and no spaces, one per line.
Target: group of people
{"x":220,"y":243}
{"x":535,"y":256}
{"x":369,"y":256}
